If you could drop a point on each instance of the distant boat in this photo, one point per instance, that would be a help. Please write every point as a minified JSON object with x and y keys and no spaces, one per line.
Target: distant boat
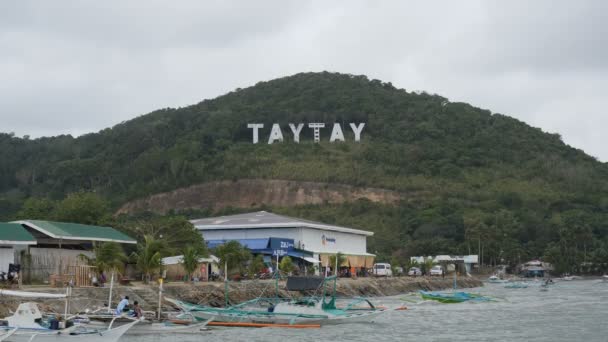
{"x":495,"y":280}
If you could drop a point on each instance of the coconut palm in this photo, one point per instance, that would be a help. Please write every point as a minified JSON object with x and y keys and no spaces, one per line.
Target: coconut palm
{"x":232,"y":255}
{"x":190,"y":259}
{"x":148,"y":256}
{"x":107,"y":257}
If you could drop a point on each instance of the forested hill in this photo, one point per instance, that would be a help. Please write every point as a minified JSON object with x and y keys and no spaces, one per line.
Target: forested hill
{"x":482,"y":173}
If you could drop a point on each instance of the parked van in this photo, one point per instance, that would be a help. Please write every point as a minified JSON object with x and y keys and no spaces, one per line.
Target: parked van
{"x":382,"y":270}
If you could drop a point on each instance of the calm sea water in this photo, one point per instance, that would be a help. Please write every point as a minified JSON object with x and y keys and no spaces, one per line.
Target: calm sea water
{"x":569,"y":311}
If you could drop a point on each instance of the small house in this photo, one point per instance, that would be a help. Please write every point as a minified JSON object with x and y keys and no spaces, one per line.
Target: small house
{"x":174,"y":270}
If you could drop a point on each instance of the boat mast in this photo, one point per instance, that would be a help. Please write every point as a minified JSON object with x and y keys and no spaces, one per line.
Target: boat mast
{"x":111,"y":287}
{"x":226,"y":282}
{"x":276,"y":280}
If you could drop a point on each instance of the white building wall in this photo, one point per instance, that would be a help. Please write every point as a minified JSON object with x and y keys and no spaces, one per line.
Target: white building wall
{"x":305,"y":238}
{"x":7,"y":256}
{"x":334,"y":242}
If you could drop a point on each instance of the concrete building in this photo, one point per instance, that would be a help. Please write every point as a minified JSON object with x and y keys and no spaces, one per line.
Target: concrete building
{"x":271,"y":234}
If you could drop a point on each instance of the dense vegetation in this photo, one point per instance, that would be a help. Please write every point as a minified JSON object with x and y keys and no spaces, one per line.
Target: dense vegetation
{"x":475,"y":180}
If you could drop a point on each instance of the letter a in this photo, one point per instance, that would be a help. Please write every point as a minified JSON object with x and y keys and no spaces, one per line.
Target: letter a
{"x":255,"y":131}
{"x":336,"y":133}
{"x":275,"y":134}
{"x":296,"y":131}
{"x":357,"y":130}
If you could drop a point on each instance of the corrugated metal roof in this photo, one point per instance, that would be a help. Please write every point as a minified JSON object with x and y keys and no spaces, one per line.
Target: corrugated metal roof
{"x":15,"y":234}
{"x":76,"y":231}
{"x":263,"y":219}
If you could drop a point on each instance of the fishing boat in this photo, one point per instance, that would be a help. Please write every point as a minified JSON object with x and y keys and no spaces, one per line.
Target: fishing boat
{"x":306,"y":310}
{"x":453,"y":297}
{"x":28,"y":324}
{"x":146,"y":327}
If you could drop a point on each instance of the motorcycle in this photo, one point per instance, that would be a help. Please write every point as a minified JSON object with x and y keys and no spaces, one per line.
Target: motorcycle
{"x":12,"y":276}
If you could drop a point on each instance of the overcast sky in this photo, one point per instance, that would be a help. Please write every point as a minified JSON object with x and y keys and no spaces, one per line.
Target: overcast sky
{"x":80,"y":66}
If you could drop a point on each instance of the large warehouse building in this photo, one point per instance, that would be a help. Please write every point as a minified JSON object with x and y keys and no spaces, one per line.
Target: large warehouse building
{"x":270,"y":234}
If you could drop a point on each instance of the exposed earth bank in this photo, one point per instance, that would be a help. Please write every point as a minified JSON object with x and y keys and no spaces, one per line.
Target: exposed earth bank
{"x":252,"y":193}
{"x":213,"y":293}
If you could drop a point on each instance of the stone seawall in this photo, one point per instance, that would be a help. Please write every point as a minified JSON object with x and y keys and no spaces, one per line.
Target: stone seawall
{"x":213,"y":293}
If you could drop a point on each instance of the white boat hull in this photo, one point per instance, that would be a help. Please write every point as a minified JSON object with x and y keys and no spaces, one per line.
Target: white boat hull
{"x":279,"y":318}
{"x":147,"y":328}
{"x":112,"y":335}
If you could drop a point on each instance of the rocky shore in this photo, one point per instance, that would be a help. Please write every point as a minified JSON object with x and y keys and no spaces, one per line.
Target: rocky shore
{"x":213,"y":293}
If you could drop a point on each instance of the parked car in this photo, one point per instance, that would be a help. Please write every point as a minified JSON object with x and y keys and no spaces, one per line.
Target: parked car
{"x":414,"y":271}
{"x":382,"y":270}
{"x":436,"y":270}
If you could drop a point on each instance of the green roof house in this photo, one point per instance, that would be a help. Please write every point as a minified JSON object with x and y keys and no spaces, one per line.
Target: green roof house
{"x":53,"y":248}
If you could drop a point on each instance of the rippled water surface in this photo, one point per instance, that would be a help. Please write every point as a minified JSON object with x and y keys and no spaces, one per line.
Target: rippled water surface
{"x":569,"y":311}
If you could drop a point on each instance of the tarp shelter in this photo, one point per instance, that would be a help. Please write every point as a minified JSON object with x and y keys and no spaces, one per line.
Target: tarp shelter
{"x":350,"y":260}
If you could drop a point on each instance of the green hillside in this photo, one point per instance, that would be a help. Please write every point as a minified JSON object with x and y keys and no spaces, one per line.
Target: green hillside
{"x":476,"y":178}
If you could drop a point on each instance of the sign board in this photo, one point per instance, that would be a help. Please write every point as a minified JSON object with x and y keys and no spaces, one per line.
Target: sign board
{"x":276,"y":134}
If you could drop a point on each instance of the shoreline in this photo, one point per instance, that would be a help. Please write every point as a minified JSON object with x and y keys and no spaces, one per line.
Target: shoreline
{"x":212,"y":293}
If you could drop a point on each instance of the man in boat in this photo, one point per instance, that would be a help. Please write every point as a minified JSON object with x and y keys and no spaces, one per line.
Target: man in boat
{"x":122,"y":305}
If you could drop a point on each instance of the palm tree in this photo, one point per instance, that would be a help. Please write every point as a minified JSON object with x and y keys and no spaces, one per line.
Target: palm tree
{"x":232,"y":255}
{"x":286,"y":266}
{"x":256,"y":266}
{"x":190,"y":259}
{"x":148,"y":256}
{"x":108,"y":256}
{"x":428,"y":264}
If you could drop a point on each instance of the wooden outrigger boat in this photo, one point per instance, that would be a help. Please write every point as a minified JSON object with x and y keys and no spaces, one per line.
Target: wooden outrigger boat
{"x":309,"y":310}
